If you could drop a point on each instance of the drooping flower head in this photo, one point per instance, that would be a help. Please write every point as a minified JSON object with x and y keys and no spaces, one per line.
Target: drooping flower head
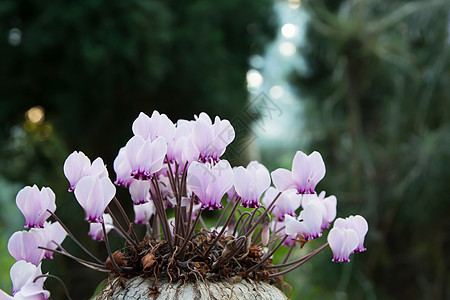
{"x":342,"y":242}
{"x":250,"y":183}
{"x":307,"y":171}
{"x":359,"y":225}
{"x":78,"y":165}
{"x":94,"y":194}
{"x":210,"y":183}
{"x":308,"y":225}
{"x":34,"y":205}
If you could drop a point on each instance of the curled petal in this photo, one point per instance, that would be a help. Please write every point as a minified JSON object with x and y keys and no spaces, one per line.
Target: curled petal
{"x":317,"y":171}
{"x":361,"y":227}
{"x":74,"y":167}
{"x":78,"y":165}
{"x":283,"y":179}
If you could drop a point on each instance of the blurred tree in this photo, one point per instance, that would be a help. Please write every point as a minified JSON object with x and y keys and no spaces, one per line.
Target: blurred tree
{"x":93,"y":65}
{"x":377,"y":97}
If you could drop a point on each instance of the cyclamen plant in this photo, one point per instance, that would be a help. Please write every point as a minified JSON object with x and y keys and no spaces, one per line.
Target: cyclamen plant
{"x":176,"y":169}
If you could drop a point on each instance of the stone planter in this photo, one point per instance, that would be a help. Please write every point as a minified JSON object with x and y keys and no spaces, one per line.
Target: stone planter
{"x":144,"y":288}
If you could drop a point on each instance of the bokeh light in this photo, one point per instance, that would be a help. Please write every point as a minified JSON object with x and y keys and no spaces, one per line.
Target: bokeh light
{"x":35,"y":114}
{"x":289,"y":30}
{"x":254,"y":78}
{"x":293,"y":4}
{"x":15,"y":37}
{"x":287,"y":48}
{"x":276,"y":92}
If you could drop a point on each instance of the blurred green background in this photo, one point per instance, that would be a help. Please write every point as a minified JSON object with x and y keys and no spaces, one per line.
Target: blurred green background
{"x":374,"y":92}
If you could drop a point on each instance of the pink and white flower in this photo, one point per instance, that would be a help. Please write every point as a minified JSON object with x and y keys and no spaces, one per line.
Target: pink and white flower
{"x":326,"y":204}
{"x":140,"y":191}
{"x":158,"y":125}
{"x":211,"y":139}
{"x":23,"y":245}
{"x":185,"y":152}
{"x":250,"y":183}
{"x":210,"y":183}
{"x":94,"y":195}
{"x":359,"y":225}
{"x":308,"y":225}
{"x":34,"y":205}
{"x":53,"y":233}
{"x":23,"y":275}
{"x":145,"y":157}
{"x":342,"y":242}
{"x":123,"y":169}
{"x":306,"y":172}
{"x":78,"y":165}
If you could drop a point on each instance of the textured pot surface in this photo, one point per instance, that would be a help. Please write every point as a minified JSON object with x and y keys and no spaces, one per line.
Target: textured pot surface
{"x":140,"y":288}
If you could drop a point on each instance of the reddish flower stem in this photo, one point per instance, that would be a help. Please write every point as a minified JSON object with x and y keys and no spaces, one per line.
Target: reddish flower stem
{"x":57,"y":278}
{"x":267,"y":256}
{"x":262,"y":216}
{"x":125,"y":217}
{"x":300,"y":262}
{"x":73,"y":237}
{"x":105,"y":239}
{"x":122,"y":231}
{"x":223,"y":228}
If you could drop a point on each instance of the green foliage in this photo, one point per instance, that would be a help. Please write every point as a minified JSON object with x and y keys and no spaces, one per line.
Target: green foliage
{"x":378,"y":103}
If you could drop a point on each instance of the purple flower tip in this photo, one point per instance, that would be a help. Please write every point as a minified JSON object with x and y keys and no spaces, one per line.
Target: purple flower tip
{"x":94,"y":219}
{"x":212,"y":206}
{"x":251,"y":204}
